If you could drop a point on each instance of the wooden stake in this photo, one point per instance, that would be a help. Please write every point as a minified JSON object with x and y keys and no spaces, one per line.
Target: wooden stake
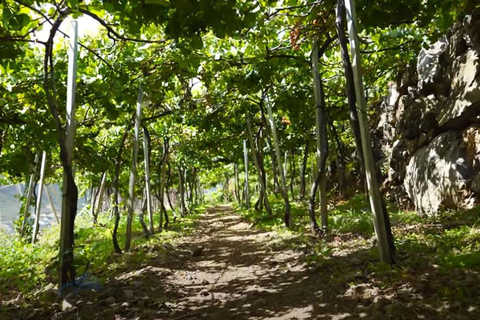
{"x":52,"y":205}
{"x":381,"y":219}
{"x":36,"y":226}
{"x":133,"y":170}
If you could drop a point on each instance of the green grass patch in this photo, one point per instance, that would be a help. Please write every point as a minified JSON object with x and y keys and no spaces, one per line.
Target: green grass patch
{"x":450,"y":240}
{"x":25,"y":267}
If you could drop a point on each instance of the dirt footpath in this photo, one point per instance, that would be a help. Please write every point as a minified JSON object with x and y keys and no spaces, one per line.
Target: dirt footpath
{"x":227,"y":269}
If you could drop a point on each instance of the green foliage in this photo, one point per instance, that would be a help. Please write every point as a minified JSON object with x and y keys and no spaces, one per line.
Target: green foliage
{"x":26,"y":266}
{"x":205,"y":66}
{"x":23,"y":263}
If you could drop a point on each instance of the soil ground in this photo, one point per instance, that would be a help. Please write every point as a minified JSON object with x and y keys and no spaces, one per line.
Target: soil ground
{"x":244,"y":273}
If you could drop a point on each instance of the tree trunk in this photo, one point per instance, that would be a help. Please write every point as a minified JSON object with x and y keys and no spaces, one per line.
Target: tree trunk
{"x":36,"y":226}
{"x":148,"y":191}
{"x":31,"y":186}
{"x":226,"y":191}
{"x":168,"y":192}
{"x":316,"y":230}
{"x":183,"y":210}
{"x":93,"y":202}
{"x":321,"y":134}
{"x":292,"y":173}
{"x":133,"y":170}
{"x":350,"y":86}
{"x":67,"y":273}
{"x":276,"y":184}
{"x":284,"y":190}
{"x":340,"y":159}
{"x":304,"y":171}
{"x":259,"y":140}
{"x":195,"y":186}
{"x":247,"y":191}
{"x":116,"y":211}
{"x":162,"y":185}
{"x":382,"y":222}
{"x":261,"y":180}
{"x":142,"y":215}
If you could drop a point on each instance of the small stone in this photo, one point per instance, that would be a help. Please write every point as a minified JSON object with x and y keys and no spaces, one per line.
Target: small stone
{"x":356,"y":261}
{"x":136,"y":283}
{"x":389,"y":309}
{"x":48,"y":293}
{"x":197,"y":251}
{"x":126,"y":305}
{"x":168,"y":246}
{"x":205,"y":282}
{"x":204,"y":293}
{"x":66,"y":305}
{"x":128,"y":294}
{"x":110,"y":300}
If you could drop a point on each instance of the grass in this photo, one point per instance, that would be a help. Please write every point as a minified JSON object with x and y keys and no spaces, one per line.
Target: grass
{"x":25,"y":267}
{"x":449,"y":240}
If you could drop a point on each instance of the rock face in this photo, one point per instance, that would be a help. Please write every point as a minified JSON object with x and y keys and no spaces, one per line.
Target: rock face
{"x":429,"y":129}
{"x":437,"y":174}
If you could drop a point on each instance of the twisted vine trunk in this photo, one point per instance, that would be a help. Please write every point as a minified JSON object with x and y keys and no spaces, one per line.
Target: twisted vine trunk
{"x":261,"y":175}
{"x":163,"y":184}
{"x":303,"y":173}
{"x":133,"y":171}
{"x":116,"y":211}
{"x":147,"y":141}
{"x":322,"y":143}
{"x":169,"y":177}
{"x":67,"y":272}
{"x":350,"y":87}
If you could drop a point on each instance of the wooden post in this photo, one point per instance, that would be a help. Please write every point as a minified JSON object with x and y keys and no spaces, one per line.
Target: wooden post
{"x":67,"y":269}
{"x":247,"y":191}
{"x":71,"y":87}
{"x":237,"y":184}
{"x":288,"y":217}
{"x":146,"y":154}
{"x":381,"y":219}
{"x":52,"y":205}
{"x":101,"y":192}
{"x":133,"y":170}
{"x":36,"y":226}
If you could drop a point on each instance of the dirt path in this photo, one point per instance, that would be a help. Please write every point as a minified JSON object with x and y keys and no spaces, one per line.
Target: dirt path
{"x":243,"y":273}
{"x":240,"y":274}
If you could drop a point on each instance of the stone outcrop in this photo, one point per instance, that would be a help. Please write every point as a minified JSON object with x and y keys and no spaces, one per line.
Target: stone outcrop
{"x":429,"y":129}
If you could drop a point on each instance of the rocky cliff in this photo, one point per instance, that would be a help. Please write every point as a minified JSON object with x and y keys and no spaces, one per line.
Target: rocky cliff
{"x":429,"y":128}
